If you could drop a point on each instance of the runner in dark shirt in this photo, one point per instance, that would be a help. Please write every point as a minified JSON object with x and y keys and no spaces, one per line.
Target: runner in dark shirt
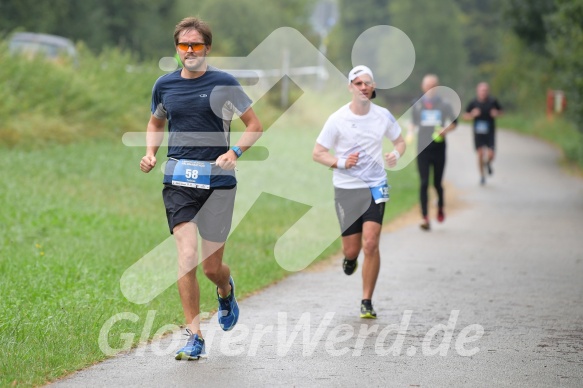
{"x":432,"y":119}
{"x":483,"y":110}
{"x":198,"y":102}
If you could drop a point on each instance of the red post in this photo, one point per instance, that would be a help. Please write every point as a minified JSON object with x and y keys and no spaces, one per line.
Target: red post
{"x":550,"y":103}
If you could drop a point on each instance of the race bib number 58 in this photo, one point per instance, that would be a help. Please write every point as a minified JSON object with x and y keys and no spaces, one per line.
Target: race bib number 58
{"x":192,"y":173}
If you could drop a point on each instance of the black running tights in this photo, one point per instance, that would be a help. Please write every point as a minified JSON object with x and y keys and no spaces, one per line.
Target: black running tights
{"x":433,"y":155}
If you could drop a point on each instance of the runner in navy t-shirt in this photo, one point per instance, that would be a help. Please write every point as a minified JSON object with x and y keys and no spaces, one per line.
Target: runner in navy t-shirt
{"x":199,"y":102}
{"x":483,"y":110}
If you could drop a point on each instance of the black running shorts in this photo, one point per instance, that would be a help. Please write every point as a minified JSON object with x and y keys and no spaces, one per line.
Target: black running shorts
{"x":211,"y":210}
{"x":354,"y":207}
{"x":486,"y":140}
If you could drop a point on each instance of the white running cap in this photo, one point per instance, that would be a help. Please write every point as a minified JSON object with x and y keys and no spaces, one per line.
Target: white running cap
{"x":358,"y":71}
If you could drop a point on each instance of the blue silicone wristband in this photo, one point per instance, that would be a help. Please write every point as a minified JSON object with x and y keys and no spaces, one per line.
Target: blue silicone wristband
{"x":237,"y":151}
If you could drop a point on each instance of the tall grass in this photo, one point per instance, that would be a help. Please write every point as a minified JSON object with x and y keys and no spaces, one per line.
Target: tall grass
{"x":45,"y":102}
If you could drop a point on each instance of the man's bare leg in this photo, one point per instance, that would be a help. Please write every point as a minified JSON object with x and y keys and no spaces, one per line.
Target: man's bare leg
{"x":371,"y":232}
{"x":214,"y":268}
{"x":185,"y":235}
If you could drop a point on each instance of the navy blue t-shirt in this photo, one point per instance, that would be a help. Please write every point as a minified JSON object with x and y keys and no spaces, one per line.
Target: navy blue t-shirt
{"x":199,"y":113}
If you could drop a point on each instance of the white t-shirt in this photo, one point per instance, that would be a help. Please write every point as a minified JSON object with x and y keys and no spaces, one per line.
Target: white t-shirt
{"x":346,"y":133}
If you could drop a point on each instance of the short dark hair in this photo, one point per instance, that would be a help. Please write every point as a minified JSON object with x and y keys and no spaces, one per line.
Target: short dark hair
{"x":193,"y":23}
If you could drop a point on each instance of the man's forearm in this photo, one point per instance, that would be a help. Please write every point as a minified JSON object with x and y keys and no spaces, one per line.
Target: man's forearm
{"x":154,"y":138}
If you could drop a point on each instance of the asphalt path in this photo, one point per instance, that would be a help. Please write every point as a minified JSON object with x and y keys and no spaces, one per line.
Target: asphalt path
{"x":492,"y":297}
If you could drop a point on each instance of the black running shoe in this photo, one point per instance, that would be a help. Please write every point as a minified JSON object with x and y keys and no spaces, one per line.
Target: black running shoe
{"x":366,"y":310}
{"x":349,"y":266}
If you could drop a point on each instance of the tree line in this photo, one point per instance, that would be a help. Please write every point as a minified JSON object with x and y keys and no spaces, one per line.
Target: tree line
{"x":550,"y":34}
{"x":522,"y":47}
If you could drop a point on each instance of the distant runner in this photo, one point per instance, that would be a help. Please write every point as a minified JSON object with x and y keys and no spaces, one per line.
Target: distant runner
{"x":483,"y":110}
{"x":433,"y":119}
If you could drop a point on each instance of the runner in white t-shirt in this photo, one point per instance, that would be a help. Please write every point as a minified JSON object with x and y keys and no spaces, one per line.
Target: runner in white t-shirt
{"x":355,"y":133}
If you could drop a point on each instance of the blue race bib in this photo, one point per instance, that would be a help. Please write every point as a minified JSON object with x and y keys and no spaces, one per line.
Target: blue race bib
{"x":430,"y":117}
{"x":380,"y":193}
{"x":481,"y":127}
{"x":192,"y":173}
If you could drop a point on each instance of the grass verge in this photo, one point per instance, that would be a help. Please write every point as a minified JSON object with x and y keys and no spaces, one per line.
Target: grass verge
{"x":557,"y":131}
